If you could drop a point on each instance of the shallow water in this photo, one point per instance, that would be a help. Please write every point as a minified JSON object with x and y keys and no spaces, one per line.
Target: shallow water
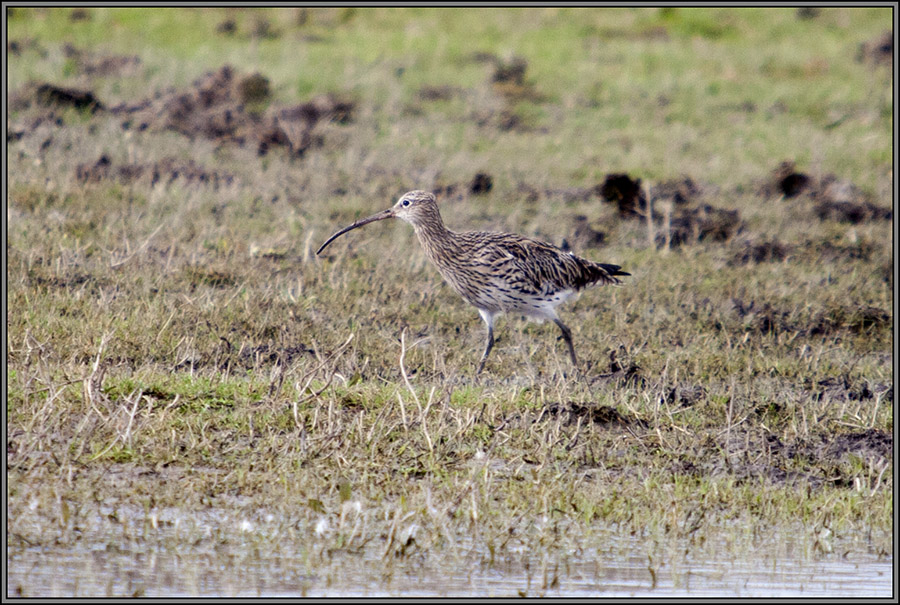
{"x":123,"y":550}
{"x":56,"y":572}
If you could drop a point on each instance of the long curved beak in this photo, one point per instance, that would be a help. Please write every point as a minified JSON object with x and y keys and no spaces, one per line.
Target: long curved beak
{"x":389,"y":213}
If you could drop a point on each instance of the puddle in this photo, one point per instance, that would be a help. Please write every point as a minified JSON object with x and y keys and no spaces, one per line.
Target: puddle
{"x":108,"y":571}
{"x":121,"y":550}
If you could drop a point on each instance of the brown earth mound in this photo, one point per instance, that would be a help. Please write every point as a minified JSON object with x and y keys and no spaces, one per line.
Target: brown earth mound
{"x":834,"y":198}
{"x":685,"y":220}
{"x":220,"y":106}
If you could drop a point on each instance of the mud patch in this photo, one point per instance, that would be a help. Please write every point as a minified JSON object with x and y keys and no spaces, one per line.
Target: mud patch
{"x":509,"y":82}
{"x":511,"y":71}
{"x":79,"y":14}
{"x":602,"y":415}
{"x":164,"y":171}
{"x":249,"y":357}
{"x":262,"y":29}
{"x":480,"y":184}
{"x":823,"y":458}
{"x":870,"y":443}
{"x":630,"y":198}
{"x":228,"y":27}
{"x":679,"y":191}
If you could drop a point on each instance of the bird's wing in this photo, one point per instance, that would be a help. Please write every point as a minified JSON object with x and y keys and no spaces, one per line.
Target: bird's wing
{"x":537,"y":266}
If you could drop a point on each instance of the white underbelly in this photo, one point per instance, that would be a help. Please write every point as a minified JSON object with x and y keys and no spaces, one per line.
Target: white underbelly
{"x":540,"y":306}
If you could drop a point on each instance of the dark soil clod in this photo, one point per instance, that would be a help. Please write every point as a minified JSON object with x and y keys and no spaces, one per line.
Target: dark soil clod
{"x":850,"y":212}
{"x":787,"y":181}
{"x":482,"y":183}
{"x":214,"y":108}
{"x":227,"y":27}
{"x":625,"y":192}
{"x":879,"y":50}
{"x":254,"y":88}
{"x":682,"y":222}
{"x":58,"y":96}
{"x":842,"y":388}
{"x":836,"y":199}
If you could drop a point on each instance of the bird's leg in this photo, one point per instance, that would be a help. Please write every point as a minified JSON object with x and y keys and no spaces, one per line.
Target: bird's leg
{"x":489,"y":320}
{"x":487,"y":349}
{"x":567,"y":336}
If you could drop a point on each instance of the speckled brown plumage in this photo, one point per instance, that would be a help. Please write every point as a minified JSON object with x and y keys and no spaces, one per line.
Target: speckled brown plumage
{"x":497,"y":272}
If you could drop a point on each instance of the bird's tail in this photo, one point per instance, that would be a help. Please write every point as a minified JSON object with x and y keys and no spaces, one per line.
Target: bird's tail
{"x":607,"y":274}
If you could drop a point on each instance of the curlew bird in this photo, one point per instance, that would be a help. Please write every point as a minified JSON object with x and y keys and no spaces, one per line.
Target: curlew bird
{"x":496,"y":272}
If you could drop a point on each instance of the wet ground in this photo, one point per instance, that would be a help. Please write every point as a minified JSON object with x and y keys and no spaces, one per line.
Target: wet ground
{"x":107,"y":571}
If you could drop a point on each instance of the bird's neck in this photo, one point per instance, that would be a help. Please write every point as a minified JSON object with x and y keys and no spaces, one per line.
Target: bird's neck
{"x":435,"y":238}
{"x":431,"y":229}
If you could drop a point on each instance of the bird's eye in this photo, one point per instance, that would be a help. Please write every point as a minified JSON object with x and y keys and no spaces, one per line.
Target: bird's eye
{"x":406,"y":202}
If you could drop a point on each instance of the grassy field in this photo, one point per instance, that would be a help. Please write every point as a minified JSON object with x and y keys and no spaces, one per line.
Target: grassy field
{"x":176,"y":348}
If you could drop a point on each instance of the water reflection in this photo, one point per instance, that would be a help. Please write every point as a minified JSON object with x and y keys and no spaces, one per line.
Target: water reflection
{"x":115,"y":572}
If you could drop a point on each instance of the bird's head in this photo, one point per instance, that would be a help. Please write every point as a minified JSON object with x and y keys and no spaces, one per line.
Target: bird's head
{"x":415,"y":207}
